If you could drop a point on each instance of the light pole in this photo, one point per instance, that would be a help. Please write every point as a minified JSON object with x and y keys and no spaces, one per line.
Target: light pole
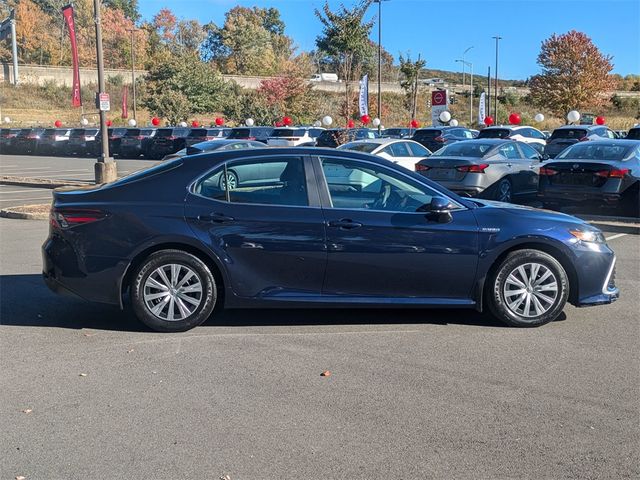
{"x":463,"y":63}
{"x":133,"y":72}
{"x":379,"y":2}
{"x":470,"y":65}
{"x":105,"y":167}
{"x":495,"y":104}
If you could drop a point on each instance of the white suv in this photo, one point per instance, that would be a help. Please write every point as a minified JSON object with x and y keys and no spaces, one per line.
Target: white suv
{"x":294,"y":136}
{"x":525,"y":134}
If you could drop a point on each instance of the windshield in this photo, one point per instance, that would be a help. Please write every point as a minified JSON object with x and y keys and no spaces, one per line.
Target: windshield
{"x":494,"y":133}
{"x":288,"y":132}
{"x":574,"y":133}
{"x":359,"y":147}
{"x":427,"y":134}
{"x":634,"y":134}
{"x":591,"y":151}
{"x":464,"y":149}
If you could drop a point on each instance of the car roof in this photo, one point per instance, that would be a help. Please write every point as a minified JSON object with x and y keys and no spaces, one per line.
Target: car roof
{"x":488,"y":141}
{"x":383,"y":141}
{"x":614,"y":141}
{"x":510,"y":127}
{"x":586,"y":127}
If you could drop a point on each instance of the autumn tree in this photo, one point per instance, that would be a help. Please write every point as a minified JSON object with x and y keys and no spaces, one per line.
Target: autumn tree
{"x":345,"y":42}
{"x":411,"y":71}
{"x":575,"y":75}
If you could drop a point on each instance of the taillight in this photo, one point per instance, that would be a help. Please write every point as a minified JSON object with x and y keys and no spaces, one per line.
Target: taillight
{"x":32,"y":135}
{"x":439,"y":139}
{"x":209,"y":138}
{"x":583,"y":139}
{"x":67,"y":218}
{"x":546,"y":171}
{"x":139,"y":137}
{"x":615,"y":173}
{"x":251,"y":138}
{"x":422,"y":168}
{"x":172,"y":137}
{"x":473,"y":168}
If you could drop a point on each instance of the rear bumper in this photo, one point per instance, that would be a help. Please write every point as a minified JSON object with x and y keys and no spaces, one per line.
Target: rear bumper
{"x":578,"y":195}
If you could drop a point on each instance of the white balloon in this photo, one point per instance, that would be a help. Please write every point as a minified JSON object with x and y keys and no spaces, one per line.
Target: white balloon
{"x":317,"y":123}
{"x":445,"y":116}
{"x":539,"y":117}
{"x":132,"y":123}
{"x":327,"y":121}
{"x":183,"y":124}
{"x":453,"y":123}
{"x":249,"y":122}
{"x":376,"y":122}
{"x":84,"y":122}
{"x":7,"y":120}
{"x":573,"y":116}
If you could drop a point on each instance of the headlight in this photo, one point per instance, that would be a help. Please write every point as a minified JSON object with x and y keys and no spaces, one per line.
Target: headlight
{"x":592,"y":236}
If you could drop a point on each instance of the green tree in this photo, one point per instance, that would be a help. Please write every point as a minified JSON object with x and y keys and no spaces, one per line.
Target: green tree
{"x":251,"y":42}
{"x":345,"y":43}
{"x":178,"y":86}
{"x":574,"y":74}
{"x":128,"y":7}
{"x":411,"y":71}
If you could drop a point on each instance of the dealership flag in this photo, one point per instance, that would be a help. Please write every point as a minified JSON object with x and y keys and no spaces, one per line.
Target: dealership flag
{"x":364,"y":96}
{"x":76,"y":98}
{"x":481,"y":109}
{"x":125,"y":113}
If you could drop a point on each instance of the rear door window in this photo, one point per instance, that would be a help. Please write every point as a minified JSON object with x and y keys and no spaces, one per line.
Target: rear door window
{"x":400,"y":149}
{"x":509,"y":151}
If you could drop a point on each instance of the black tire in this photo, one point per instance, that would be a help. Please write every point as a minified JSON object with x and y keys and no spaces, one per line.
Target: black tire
{"x":232,"y":180}
{"x":207,"y":298}
{"x":503,"y":191}
{"x":497,"y":289}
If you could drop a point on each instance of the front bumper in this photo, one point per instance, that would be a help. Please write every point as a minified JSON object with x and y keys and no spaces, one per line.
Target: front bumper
{"x":610,"y":293}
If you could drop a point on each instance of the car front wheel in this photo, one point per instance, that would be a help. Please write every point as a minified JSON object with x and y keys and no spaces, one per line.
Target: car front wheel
{"x":503,"y":191}
{"x":173,"y":291}
{"x":528,"y":289}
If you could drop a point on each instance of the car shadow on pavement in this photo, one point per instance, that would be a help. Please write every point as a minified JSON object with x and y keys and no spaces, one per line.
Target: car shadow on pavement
{"x":26,"y":301}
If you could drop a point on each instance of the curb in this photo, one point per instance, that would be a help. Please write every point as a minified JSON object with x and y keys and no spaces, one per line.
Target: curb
{"x":632,"y":221}
{"x":17,"y":215}
{"x":39,"y":182}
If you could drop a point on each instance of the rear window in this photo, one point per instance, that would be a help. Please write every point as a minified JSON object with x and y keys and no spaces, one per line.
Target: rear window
{"x":49,"y":132}
{"x":147,"y":172}
{"x":132,"y":132}
{"x":164,"y":132}
{"x":78,"y":132}
{"x":596,"y":151}
{"x":91,"y":131}
{"x":288,"y":132}
{"x":359,"y":147}
{"x":634,"y":134}
{"x":198,"y":132}
{"x":240,"y":133}
{"x":494,"y":133}
{"x":427,"y":134}
{"x":464,"y":149}
{"x":571,"y":133}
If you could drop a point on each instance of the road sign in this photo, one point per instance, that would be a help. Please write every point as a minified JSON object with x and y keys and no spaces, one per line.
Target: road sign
{"x":103,"y":102}
{"x":439,"y":103}
{"x":439,"y":97}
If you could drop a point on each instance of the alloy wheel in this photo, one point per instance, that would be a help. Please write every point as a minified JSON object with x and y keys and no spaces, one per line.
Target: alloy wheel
{"x":504,"y":191}
{"x":530,"y":290}
{"x":173,"y":292}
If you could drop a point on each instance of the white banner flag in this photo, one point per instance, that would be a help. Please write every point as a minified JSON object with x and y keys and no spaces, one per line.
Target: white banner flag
{"x":364,"y":96}
{"x":481,"y":109}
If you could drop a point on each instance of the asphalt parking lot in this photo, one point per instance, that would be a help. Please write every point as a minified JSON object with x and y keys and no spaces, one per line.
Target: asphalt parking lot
{"x":90,"y":393}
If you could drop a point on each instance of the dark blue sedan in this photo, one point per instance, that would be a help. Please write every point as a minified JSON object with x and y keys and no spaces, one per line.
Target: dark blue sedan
{"x":311,"y":227}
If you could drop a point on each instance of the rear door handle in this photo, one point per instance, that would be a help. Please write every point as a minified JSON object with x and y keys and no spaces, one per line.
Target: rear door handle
{"x":344,"y":224}
{"x":215,"y":218}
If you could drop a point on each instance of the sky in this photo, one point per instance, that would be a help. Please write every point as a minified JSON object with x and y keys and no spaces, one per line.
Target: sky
{"x":440,"y":31}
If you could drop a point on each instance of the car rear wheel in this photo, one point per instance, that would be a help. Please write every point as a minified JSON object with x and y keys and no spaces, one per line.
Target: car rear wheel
{"x":173,"y":291}
{"x":528,"y":289}
{"x":503,"y":192}
{"x":232,"y":181}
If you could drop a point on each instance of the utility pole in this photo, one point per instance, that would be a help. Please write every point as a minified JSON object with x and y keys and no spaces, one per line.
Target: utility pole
{"x":470,"y":65}
{"x":133,"y":73}
{"x":105,"y":167}
{"x":495,"y":104}
{"x":463,"y":64}
{"x":489,"y":89}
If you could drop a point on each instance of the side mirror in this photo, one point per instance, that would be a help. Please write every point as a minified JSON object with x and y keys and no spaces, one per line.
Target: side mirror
{"x":545,"y":157}
{"x":438,"y":209}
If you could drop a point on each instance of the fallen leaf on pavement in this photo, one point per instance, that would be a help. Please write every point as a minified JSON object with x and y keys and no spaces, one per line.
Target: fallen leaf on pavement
{"x":326,"y":373}
{"x":20,"y":477}
{"x":83,"y":374}
{"x":129,"y":351}
{"x":89,"y":334}
{"x":27,"y":410}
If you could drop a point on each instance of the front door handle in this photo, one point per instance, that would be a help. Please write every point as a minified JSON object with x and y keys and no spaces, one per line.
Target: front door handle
{"x":215,"y":218}
{"x":344,"y":224}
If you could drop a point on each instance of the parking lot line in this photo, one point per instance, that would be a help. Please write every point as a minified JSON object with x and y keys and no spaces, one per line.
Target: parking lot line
{"x":613,"y":237}
{"x":22,"y":199}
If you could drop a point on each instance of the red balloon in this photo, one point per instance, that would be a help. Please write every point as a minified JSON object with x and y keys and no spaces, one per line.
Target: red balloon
{"x":279,"y":124}
{"x":108,"y":123}
{"x":488,"y":120}
{"x":600,"y":120}
{"x":287,"y":121}
{"x":219,"y":121}
{"x":365,"y":119}
{"x":514,"y":119}
{"x":195,"y":123}
{"x":351,"y":124}
{"x":414,"y":123}
{"x":155,"y":121}
{"x":58,"y":123}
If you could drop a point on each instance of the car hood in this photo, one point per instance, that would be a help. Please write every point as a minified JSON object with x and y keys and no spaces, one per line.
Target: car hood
{"x":527,"y":213}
